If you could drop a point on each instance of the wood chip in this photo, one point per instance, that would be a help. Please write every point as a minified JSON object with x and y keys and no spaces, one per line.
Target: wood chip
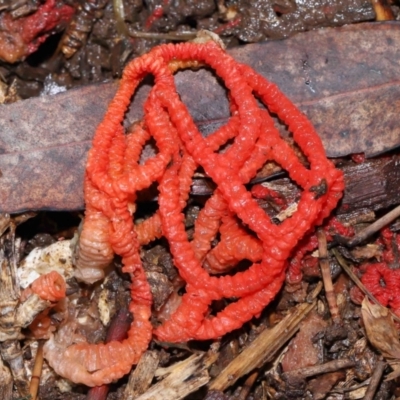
{"x":141,"y":377}
{"x":181,"y":378}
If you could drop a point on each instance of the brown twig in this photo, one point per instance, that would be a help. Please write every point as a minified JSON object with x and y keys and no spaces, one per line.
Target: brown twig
{"x":326,"y":276}
{"x":5,"y":221}
{"x":370,"y":230}
{"x":36,"y":372}
{"x":179,"y":36}
{"x":375,"y":379}
{"x":119,"y":15}
{"x":306,"y":372}
{"x":382,"y":10}
{"x":248,"y":384}
{"x":351,"y":388}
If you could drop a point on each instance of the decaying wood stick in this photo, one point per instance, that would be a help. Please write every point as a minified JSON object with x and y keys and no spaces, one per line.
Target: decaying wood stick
{"x":36,"y":372}
{"x":263,"y":348}
{"x":383,"y":11}
{"x":141,"y":377}
{"x":29,"y":309}
{"x":182,"y":378}
{"x":248,"y":384}
{"x":13,"y":314}
{"x":375,"y":379}
{"x":370,"y":230}
{"x":307,"y":372}
{"x":327,"y":277}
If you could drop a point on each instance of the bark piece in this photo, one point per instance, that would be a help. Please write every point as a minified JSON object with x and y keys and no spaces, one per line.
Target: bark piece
{"x":10,"y":290}
{"x":302,"y":352}
{"x":11,"y":353}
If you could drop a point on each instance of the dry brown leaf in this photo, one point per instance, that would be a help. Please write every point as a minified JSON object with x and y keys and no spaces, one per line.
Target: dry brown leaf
{"x":382,"y":334}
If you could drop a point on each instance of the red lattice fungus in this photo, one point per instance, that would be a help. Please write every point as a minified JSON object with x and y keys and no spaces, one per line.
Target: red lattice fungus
{"x":114,"y":176}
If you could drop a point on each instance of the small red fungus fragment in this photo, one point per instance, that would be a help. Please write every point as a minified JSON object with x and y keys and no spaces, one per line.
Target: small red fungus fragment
{"x":310,"y":243}
{"x":22,"y":36}
{"x":358,"y":158}
{"x":154,"y":16}
{"x":382,"y":279}
{"x":235,"y":245}
{"x":50,"y":287}
{"x":42,"y":326}
{"x":222,"y":29}
{"x":262,"y":192}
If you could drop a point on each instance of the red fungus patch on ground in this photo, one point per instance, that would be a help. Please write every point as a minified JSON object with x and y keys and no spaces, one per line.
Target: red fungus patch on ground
{"x":114,"y":176}
{"x":21,"y":37}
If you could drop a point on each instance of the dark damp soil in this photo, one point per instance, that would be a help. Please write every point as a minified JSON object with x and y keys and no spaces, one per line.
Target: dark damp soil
{"x":104,"y":35}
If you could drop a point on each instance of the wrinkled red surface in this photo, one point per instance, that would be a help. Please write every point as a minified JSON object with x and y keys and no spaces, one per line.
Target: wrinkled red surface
{"x":22,"y":36}
{"x":115,"y":176}
{"x":382,"y":278}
